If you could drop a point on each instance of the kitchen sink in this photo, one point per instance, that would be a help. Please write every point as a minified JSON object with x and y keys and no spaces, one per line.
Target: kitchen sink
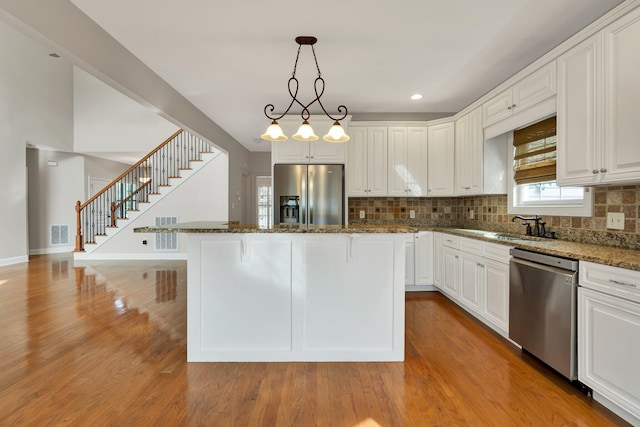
{"x":493,"y":235}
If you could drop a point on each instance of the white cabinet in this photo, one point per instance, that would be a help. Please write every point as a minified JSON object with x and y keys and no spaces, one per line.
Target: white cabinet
{"x":424,"y":268}
{"x":407,"y":161}
{"x":598,"y":90}
{"x":469,"y":145}
{"x":475,"y":274}
{"x":471,"y":276}
{"x":367,"y":162}
{"x":609,"y":348}
{"x":437,"y":260}
{"x":536,"y":87}
{"x":296,"y":152}
{"x":440,"y":162}
{"x":496,"y":293}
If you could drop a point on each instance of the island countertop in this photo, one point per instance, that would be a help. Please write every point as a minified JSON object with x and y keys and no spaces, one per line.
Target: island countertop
{"x":231,"y":227}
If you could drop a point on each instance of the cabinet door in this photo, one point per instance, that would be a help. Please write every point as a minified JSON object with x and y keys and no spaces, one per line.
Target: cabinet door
{"x":424,"y":258}
{"x":440,"y":159}
{"x":621,"y":100}
{"x":470,"y":273}
{"x":451,"y":272}
{"x":377,"y":161}
{"x":290,"y":151}
{"x":397,"y":162}
{"x":357,"y":163}
{"x":469,"y":154}
{"x":536,"y":87}
{"x":324,"y":152}
{"x":609,"y":347}
{"x":579,"y":118}
{"x":417,"y":159}
{"x":409,"y":261}
{"x":496,"y":294}
{"x":437,"y":260}
{"x":497,"y":108}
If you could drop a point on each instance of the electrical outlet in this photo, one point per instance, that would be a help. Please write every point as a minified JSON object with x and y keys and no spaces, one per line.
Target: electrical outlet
{"x":615,"y":220}
{"x":412,"y":213}
{"x":471,"y":214}
{"x":361,"y":214}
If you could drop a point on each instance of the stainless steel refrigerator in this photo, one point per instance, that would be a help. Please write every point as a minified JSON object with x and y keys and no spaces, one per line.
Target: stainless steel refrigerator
{"x":308,"y":194}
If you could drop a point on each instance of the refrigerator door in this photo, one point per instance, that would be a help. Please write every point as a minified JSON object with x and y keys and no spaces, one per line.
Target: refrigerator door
{"x":289,"y":194}
{"x":325,"y":194}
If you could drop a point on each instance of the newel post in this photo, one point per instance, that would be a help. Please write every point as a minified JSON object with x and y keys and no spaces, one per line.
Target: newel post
{"x":79,"y":245}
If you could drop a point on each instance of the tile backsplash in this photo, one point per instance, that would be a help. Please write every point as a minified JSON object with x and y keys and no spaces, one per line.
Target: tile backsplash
{"x":490,"y":212}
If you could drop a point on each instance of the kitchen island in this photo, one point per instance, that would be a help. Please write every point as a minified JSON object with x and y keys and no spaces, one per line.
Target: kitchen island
{"x":293,"y":293}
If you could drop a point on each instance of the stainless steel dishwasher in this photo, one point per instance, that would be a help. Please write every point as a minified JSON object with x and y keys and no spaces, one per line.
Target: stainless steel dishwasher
{"x":542,"y":308}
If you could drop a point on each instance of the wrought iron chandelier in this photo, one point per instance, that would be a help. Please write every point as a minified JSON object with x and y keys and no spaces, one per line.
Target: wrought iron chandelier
{"x":305,"y":131}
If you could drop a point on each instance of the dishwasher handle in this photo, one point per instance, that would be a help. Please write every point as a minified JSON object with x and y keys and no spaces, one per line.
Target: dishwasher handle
{"x":550,"y":269}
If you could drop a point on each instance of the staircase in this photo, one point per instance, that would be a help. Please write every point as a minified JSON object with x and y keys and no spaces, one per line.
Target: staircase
{"x":138,"y":188}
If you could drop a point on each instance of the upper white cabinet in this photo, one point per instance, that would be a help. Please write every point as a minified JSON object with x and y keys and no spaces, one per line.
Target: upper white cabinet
{"x":367,"y":162}
{"x":292,"y":151}
{"x":598,"y":109}
{"x":536,"y":87}
{"x":440,"y":160}
{"x":407,"y":161}
{"x":469,"y":153}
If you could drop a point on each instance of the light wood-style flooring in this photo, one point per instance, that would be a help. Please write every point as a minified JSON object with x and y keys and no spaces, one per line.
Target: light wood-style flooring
{"x":104,"y":345}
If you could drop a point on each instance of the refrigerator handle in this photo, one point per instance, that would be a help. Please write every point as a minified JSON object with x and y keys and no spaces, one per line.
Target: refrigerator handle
{"x":310,"y":183}
{"x":303,"y":200}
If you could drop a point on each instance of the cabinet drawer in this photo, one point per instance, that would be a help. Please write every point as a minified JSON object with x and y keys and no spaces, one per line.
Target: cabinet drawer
{"x":613,"y":280}
{"x":471,"y":245}
{"x":497,"y":252}
{"x":451,"y":241}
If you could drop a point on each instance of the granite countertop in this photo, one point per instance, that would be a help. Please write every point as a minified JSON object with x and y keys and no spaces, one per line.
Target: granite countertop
{"x":608,"y":255}
{"x":231,"y":227}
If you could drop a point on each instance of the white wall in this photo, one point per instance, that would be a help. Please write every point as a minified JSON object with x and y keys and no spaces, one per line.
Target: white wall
{"x":197,"y":199}
{"x":106,"y":121}
{"x":53,"y":191}
{"x":59,"y":24}
{"x":36,"y":108}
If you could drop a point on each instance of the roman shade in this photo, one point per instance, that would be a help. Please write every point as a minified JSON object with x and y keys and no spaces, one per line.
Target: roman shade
{"x":534,"y":158}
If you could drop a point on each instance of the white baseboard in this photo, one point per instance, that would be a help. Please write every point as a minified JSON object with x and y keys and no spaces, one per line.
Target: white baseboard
{"x":419,"y":288}
{"x":622,"y":413}
{"x":81,"y":256}
{"x":14,"y":260}
{"x":52,"y":250}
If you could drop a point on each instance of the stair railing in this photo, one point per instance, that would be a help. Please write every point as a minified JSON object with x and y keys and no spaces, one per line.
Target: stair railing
{"x":135,"y":185}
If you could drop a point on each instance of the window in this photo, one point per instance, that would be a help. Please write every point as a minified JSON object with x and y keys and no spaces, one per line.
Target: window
{"x":533,"y":189}
{"x":264,"y":201}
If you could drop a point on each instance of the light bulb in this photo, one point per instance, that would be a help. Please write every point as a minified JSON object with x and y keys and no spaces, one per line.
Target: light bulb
{"x":274,"y":133}
{"x":336,"y":134}
{"x":305,"y":133}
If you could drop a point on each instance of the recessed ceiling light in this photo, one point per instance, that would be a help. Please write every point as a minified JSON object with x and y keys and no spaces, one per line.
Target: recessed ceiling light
{"x":416,"y":96}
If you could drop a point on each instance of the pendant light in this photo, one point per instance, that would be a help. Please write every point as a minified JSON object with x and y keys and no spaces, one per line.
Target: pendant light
{"x":305,"y":131}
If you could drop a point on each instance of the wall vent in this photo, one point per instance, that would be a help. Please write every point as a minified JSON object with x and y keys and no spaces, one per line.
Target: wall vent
{"x":166,"y":241}
{"x":59,"y":234}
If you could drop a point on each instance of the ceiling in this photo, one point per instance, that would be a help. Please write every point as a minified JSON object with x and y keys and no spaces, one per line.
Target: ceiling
{"x":231,"y":58}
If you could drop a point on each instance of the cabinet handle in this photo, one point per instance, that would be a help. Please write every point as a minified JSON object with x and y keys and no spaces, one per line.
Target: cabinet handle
{"x":603,"y":170}
{"x":467,"y":188}
{"x":457,"y":256}
{"x":312,"y":157}
{"x":480,"y":265}
{"x":450,"y":241}
{"x":509,"y":107}
{"x":595,"y":171}
{"x":617,"y":282}
{"x":513,"y":105}
{"x":306,"y":157}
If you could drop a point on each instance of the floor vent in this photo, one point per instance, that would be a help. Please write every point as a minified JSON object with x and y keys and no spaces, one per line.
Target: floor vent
{"x":166,"y":241}
{"x":59,"y":234}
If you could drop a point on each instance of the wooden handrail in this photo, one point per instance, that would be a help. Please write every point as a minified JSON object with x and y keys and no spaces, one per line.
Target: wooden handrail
{"x":115,"y":207}
{"x":123,"y":174}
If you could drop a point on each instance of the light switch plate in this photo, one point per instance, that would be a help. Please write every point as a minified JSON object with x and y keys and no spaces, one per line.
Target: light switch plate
{"x":615,"y":220}
{"x":361,"y":214}
{"x":471,"y":214}
{"x":412,"y":213}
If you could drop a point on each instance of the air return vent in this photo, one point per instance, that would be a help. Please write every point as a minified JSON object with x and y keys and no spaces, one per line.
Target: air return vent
{"x":166,"y":241}
{"x":59,"y":234}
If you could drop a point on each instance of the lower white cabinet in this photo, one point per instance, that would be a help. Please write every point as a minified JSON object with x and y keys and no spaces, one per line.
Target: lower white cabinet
{"x":419,"y":259}
{"x":475,"y":274}
{"x":496,"y":293}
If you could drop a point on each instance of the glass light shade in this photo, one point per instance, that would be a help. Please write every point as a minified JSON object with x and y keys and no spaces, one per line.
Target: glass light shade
{"x":336,"y":134}
{"x":305,"y":133}
{"x":274,"y":133}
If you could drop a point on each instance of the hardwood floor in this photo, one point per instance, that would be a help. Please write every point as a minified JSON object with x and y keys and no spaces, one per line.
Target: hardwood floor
{"x":105,"y":345}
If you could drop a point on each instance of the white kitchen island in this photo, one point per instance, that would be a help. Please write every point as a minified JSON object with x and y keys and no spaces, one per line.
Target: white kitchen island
{"x":294,"y":294}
